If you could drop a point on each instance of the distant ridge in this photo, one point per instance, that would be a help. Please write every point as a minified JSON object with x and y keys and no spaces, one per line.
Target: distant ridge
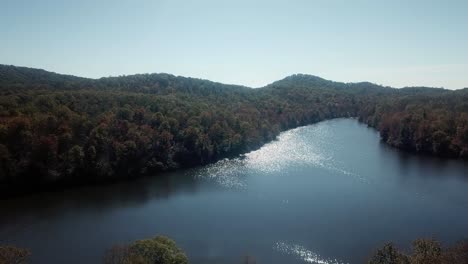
{"x":10,"y":74}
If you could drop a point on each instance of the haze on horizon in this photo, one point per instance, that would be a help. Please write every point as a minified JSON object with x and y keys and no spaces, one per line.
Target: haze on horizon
{"x":393,"y":43}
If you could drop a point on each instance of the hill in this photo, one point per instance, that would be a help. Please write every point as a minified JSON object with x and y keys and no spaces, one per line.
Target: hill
{"x":62,"y":130}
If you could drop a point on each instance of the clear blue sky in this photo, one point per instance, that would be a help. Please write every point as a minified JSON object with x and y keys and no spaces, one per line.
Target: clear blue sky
{"x":397,"y":43}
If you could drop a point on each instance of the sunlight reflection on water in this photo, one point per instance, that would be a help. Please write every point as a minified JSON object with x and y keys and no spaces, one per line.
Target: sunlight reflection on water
{"x":304,"y":146}
{"x":304,"y":254}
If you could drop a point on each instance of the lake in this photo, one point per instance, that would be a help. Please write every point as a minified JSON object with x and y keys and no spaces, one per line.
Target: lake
{"x":327,"y":193}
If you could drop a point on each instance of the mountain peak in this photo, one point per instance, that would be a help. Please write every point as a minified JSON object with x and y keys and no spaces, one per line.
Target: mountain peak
{"x":301,"y":79}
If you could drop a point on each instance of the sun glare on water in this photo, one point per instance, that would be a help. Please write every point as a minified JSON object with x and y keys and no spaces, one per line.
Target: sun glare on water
{"x":304,"y":146}
{"x":304,"y":254}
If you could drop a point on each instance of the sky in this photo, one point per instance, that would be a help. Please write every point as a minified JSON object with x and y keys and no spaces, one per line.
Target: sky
{"x":394,"y":43}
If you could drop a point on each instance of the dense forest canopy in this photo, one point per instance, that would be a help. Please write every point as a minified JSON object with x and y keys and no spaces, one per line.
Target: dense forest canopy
{"x":62,"y":129}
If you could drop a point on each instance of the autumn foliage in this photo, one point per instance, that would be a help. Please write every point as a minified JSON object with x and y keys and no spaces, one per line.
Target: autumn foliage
{"x":60,"y":130}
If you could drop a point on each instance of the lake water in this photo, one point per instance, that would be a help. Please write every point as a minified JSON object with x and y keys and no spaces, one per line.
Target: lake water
{"x":325,"y":193}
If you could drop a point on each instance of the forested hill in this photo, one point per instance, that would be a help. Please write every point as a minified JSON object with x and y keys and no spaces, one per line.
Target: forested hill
{"x":12,"y":77}
{"x":62,"y":129}
{"x":308,"y":81}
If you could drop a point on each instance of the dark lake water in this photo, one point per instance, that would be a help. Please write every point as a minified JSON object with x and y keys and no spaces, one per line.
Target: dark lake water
{"x":325,"y":193}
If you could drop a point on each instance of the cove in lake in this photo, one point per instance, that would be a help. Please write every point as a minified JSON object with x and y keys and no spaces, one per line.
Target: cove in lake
{"x":325,"y":193}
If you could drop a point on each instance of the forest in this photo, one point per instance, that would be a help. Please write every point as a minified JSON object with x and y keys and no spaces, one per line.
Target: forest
{"x":58,"y":130}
